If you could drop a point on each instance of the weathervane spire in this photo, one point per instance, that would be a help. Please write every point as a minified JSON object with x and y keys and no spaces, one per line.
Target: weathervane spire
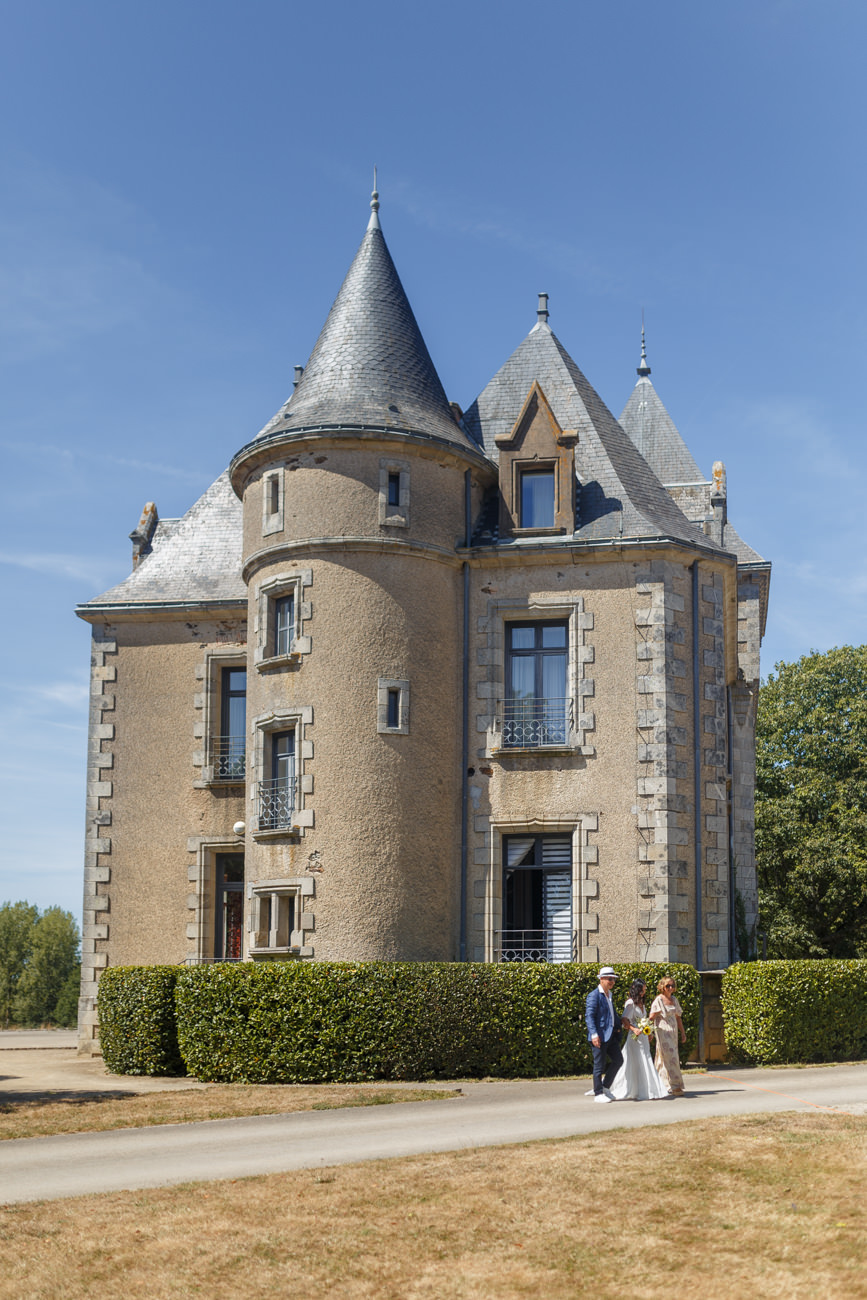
{"x":373,"y":223}
{"x":643,"y":369}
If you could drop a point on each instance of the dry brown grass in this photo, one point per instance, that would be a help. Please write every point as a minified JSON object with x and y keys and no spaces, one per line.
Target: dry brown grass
{"x":91,"y":1112}
{"x":761,"y":1206}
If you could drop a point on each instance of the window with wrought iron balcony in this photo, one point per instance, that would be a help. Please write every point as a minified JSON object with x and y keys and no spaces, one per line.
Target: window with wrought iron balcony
{"x":228,"y":750}
{"x":276,"y":802}
{"x":537,"y":711}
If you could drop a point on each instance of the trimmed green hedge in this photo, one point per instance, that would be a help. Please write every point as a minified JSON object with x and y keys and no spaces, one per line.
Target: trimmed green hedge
{"x":138,"y":1031}
{"x":294,"y":1022}
{"x":796,"y":1011}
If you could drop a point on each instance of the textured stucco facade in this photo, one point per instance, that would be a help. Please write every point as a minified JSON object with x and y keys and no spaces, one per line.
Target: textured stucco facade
{"x":411,"y":683}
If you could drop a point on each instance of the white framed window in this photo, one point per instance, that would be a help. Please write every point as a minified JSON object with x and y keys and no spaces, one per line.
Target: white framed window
{"x":281,"y":789}
{"x":394,"y":493}
{"x":279,"y":924}
{"x":272,"y":502}
{"x":392,"y":706}
{"x":281,"y":613}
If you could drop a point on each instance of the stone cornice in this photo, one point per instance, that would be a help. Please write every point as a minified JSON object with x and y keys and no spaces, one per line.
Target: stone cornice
{"x":167,"y":610}
{"x":353,"y":545}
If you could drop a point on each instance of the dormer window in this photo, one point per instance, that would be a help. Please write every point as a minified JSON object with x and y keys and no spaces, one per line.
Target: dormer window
{"x":537,"y":498}
{"x":537,"y":472}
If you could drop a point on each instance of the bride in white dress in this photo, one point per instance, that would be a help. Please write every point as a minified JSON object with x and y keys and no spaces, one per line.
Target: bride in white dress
{"x":637,"y":1079}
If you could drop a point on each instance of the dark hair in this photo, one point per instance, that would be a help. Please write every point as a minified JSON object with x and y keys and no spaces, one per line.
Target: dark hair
{"x":637,"y":990}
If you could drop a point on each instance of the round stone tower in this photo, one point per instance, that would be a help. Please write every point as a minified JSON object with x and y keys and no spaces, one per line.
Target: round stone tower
{"x":356,"y":499}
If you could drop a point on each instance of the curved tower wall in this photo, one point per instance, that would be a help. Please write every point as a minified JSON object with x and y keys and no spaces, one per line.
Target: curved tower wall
{"x":379,"y":834}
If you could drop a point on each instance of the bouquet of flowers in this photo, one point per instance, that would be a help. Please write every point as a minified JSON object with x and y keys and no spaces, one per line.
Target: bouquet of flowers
{"x":645,"y":1026}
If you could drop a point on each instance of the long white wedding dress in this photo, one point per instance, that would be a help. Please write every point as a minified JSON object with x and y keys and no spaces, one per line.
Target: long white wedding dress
{"x":637,"y":1079}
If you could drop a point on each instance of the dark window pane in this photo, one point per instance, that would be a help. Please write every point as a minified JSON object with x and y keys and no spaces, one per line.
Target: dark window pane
{"x":393,"y":708}
{"x":284,"y":624}
{"x":394,"y":489}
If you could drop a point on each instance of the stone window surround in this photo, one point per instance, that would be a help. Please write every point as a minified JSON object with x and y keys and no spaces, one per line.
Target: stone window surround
{"x":262,"y":728}
{"x":585,"y":888}
{"x":294,"y":887}
{"x":383,"y":686}
{"x":266,"y":593}
{"x":272,"y":519}
{"x":394,"y":516}
{"x":208,"y":703}
{"x":541,"y":606}
{"x":201,"y":899}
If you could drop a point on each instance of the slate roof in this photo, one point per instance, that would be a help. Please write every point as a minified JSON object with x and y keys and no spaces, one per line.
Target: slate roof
{"x":370,"y":365}
{"x":660,"y":442}
{"x":655,"y":435}
{"x":618,"y":489}
{"x":196,"y":558}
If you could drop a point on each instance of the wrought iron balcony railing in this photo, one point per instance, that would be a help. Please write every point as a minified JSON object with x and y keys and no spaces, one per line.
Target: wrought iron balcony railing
{"x":228,"y":758}
{"x":534,"y":723}
{"x":276,"y":805}
{"x":555,"y":944}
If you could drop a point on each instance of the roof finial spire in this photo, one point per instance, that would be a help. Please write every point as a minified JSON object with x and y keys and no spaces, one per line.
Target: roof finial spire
{"x":643,"y":369}
{"x":542,"y":310}
{"x":373,"y":223}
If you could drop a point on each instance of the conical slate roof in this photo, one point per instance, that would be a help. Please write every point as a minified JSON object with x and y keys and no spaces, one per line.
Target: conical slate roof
{"x":661,"y":444}
{"x":196,"y":559}
{"x":656,"y":436}
{"x":619,"y":493}
{"x":370,"y":366}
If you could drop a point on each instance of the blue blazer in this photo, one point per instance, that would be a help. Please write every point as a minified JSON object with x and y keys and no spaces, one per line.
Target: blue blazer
{"x":597,"y":1014}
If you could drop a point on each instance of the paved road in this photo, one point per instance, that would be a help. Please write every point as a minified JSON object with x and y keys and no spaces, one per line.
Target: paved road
{"x":487,"y":1114}
{"x":33,"y":1039}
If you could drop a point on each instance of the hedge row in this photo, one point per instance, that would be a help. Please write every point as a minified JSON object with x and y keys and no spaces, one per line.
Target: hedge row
{"x":138,"y":1029}
{"x":795,"y":1011}
{"x":294,"y":1022}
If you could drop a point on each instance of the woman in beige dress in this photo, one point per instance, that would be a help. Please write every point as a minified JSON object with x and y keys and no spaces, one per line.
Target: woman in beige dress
{"x":667,"y":1016}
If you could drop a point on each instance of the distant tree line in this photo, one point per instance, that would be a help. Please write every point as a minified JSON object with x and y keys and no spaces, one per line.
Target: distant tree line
{"x":40,"y":966}
{"x":811,"y":805}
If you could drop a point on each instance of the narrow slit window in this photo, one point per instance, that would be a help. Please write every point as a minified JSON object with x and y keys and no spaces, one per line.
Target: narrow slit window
{"x":393,"y":711}
{"x":394,"y":489}
{"x":273,"y":494}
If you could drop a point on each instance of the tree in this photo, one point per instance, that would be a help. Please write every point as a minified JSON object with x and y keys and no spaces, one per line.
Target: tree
{"x":52,"y":959}
{"x":811,"y":805}
{"x":16,"y":941}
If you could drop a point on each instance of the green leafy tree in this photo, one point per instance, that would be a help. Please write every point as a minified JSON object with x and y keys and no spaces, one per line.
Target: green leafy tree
{"x":53,"y":957}
{"x":811,"y":805}
{"x":16,"y":941}
{"x":66,"y":1011}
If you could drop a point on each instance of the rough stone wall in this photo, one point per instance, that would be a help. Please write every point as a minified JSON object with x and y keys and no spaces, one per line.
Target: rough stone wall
{"x":145,"y":797}
{"x":665,"y":797}
{"x":744,"y":705}
{"x":714,"y":745}
{"x":97,"y":841}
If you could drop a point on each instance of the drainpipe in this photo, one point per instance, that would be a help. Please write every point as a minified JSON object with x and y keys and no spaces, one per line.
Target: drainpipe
{"x":465,"y":715}
{"x":696,"y":722}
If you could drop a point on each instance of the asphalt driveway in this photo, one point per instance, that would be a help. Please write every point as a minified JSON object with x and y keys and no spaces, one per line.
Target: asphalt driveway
{"x":486,"y":1114}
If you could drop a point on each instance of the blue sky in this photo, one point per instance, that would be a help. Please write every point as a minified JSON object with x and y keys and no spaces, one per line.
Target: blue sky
{"x":183,"y":186}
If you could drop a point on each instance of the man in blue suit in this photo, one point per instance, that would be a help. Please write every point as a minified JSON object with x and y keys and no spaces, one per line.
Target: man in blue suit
{"x":603,"y":1035}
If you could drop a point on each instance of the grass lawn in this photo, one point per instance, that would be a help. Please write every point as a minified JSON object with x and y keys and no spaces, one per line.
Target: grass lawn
{"x":757,"y":1206}
{"x":92,"y":1112}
